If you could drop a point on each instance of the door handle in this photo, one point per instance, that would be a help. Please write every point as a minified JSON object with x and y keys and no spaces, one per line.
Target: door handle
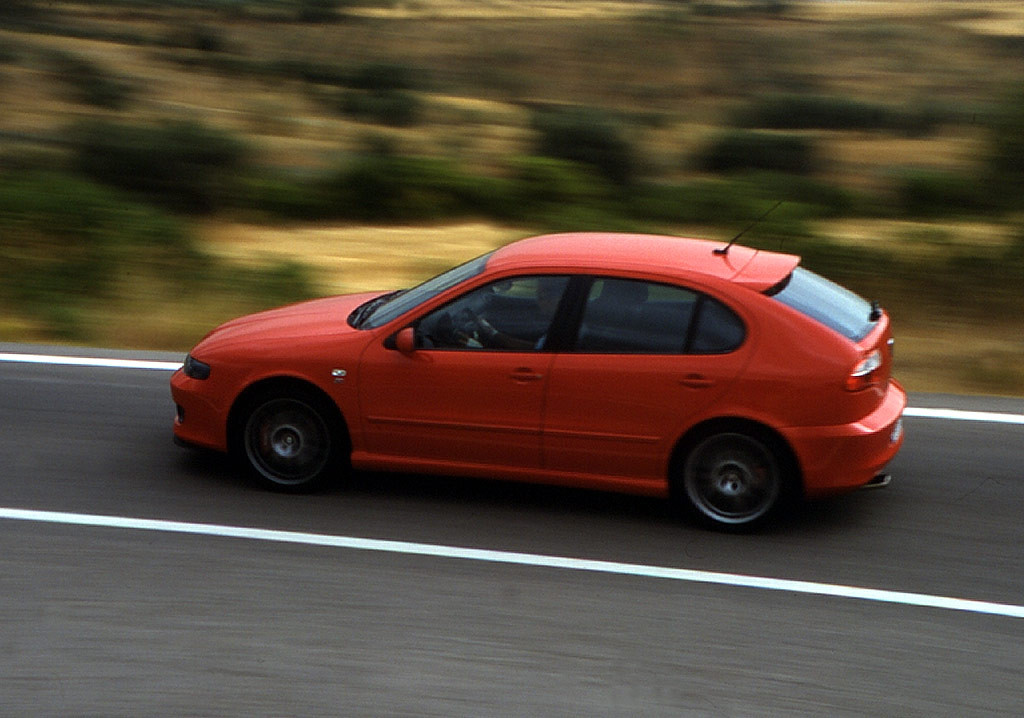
{"x":525,"y":374}
{"x":696,"y":381}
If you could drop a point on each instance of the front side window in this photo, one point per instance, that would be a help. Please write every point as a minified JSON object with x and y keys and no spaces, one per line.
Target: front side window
{"x":511,"y":314}
{"x":629,"y":316}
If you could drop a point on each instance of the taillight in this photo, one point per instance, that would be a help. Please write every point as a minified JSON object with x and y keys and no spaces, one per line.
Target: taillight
{"x":865,"y":374}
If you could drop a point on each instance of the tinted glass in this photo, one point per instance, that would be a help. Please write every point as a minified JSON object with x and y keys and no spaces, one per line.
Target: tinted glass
{"x":718,"y":329}
{"x":512,"y":314}
{"x":411,"y":298}
{"x":631,"y":316}
{"x":826,"y":302}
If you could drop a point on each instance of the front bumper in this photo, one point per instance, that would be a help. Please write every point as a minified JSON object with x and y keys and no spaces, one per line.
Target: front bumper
{"x":198,"y":421}
{"x":840,"y":458}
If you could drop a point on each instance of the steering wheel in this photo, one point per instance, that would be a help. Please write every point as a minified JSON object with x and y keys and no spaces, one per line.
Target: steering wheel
{"x":467,"y":326}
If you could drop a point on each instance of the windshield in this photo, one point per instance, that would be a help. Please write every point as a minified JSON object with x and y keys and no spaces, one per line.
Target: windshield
{"x":826,"y":302}
{"x":399,"y":303}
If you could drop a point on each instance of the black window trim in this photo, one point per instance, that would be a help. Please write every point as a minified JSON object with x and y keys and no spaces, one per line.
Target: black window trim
{"x":568,"y":318}
{"x":556,"y":332}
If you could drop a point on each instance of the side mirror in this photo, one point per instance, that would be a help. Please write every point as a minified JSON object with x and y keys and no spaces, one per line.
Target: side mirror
{"x":405,"y":341}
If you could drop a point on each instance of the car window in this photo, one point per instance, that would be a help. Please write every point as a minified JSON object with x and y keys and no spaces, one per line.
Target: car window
{"x":826,"y":302}
{"x":717,"y":330}
{"x":633,"y":316}
{"x":398,"y":303}
{"x":624,"y":316}
{"x":511,"y":314}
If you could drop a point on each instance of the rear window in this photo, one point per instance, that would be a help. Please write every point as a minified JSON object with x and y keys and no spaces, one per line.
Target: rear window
{"x":826,"y":302}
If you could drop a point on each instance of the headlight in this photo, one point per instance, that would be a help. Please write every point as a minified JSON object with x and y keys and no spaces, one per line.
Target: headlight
{"x":196,"y":369}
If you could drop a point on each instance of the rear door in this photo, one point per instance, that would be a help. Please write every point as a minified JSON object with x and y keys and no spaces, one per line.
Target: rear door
{"x":646,"y":357}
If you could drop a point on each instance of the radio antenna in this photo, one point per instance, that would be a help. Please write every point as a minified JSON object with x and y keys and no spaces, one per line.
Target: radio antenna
{"x":725,"y":250}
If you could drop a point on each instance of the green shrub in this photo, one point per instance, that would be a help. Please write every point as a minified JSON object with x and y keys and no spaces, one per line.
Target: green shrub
{"x":542,"y":181}
{"x":317,"y":10}
{"x":377,"y":92}
{"x":67,"y":240}
{"x":279,"y":195}
{"x":204,"y":38}
{"x":984,"y":280}
{"x":317,"y":73}
{"x":385,"y":187}
{"x":933,"y":193}
{"x":18,"y":13}
{"x":280,"y":283}
{"x":181,"y":165}
{"x":1005,"y":156}
{"x":71,"y":246}
{"x":88,"y":82}
{"x":739,"y":150}
{"x":820,"y":199}
{"x":699,"y":202}
{"x":587,"y":136}
{"x":384,"y":77}
{"x":798,"y":112}
{"x":391,"y":188}
{"x":394,"y":108}
{"x":9,"y":52}
{"x":712,"y":8}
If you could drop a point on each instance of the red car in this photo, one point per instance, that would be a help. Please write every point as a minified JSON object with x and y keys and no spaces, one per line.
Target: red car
{"x":726,"y":378}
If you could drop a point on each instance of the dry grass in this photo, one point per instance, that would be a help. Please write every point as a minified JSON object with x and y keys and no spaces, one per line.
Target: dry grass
{"x":358,"y":258}
{"x":976,"y":360}
{"x":933,"y":355}
{"x":1000,"y":16}
{"x":508,"y":9}
{"x":917,"y":236}
{"x":486,"y":59}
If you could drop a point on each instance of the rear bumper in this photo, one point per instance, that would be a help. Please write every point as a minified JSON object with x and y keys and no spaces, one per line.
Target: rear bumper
{"x":839,"y":458}
{"x":879,"y":481}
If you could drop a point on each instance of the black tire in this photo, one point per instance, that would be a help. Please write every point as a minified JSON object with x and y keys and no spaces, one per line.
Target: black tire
{"x":291,"y":440}
{"x":731,"y":480}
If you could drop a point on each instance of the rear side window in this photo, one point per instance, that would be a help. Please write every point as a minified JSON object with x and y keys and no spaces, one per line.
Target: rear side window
{"x":826,"y":302}
{"x":628,"y":316}
{"x":625,"y":316}
{"x":718,"y":329}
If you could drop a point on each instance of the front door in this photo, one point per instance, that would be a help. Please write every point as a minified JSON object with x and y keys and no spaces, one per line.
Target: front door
{"x":472,"y":392}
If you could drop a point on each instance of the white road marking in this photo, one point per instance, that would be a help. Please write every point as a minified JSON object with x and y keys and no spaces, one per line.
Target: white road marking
{"x":521,"y":559}
{"x":958,"y":415}
{"x":949,"y":414}
{"x":89,"y":361}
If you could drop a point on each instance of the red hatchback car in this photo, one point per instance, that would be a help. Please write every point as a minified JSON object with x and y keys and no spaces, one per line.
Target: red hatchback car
{"x":727,"y":380}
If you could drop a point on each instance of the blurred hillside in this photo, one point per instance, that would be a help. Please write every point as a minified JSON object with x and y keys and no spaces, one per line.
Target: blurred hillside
{"x":164,"y":165}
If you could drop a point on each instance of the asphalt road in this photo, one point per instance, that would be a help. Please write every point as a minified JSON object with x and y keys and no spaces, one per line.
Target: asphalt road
{"x":102,"y":621}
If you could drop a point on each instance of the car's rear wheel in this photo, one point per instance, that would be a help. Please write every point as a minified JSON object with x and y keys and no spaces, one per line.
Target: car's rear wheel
{"x":292,"y":441}
{"x":732,"y":479}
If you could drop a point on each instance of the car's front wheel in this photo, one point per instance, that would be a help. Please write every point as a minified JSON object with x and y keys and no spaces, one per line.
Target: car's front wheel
{"x":292,"y":441}
{"x":732,"y":479}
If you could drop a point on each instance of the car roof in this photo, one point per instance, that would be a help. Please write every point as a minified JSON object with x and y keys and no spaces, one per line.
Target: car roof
{"x":616,"y":251}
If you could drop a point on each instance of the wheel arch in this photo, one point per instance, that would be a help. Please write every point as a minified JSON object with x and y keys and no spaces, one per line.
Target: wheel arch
{"x":278,"y":384}
{"x":790,"y":464}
